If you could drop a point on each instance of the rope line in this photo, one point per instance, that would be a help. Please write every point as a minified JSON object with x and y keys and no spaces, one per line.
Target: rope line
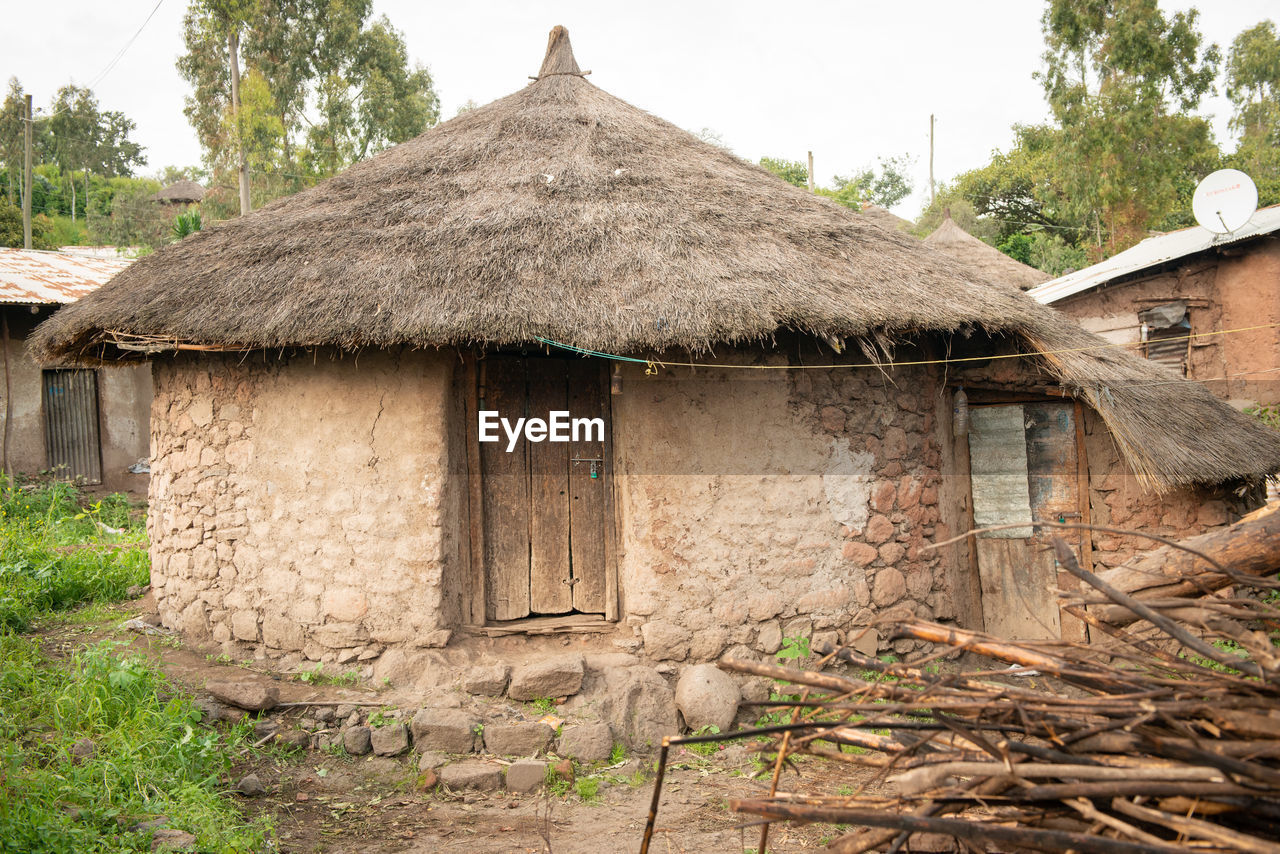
{"x":653,"y":364}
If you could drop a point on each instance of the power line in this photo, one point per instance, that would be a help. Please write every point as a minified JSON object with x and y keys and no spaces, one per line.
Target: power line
{"x":115,"y":59}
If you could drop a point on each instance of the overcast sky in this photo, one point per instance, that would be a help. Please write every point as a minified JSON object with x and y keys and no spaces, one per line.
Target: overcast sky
{"x":848,"y":80}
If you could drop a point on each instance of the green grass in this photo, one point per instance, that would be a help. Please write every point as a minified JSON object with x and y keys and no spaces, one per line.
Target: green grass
{"x":152,"y":757}
{"x":317,"y":676}
{"x":56,"y":554}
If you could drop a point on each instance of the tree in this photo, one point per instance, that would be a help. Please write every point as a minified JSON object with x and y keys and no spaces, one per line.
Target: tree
{"x":338,"y":86}
{"x":1253,"y":84}
{"x":12,"y":113}
{"x":85,"y":138}
{"x":885,"y":187}
{"x":791,"y":171}
{"x":1121,"y":78}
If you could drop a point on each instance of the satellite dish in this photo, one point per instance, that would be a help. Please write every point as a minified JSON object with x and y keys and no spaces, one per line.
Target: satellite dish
{"x":1224,"y":201}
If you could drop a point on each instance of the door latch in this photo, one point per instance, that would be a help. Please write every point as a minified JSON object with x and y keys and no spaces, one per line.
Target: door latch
{"x":595,"y":472}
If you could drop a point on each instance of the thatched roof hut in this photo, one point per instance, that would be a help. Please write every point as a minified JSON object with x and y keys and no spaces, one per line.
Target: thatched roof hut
{"x":281,"y":464}
{"x":562,"y":212}
{"x":885,"y":218}
{"x":182,"y":192}
{"x":988,"y":262}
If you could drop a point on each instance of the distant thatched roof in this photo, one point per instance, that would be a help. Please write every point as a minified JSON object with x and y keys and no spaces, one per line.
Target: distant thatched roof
{"x":180,"y":191}
{"x":885,"y":218}
{"x":563,"y":212}
{"x":990,"y":263}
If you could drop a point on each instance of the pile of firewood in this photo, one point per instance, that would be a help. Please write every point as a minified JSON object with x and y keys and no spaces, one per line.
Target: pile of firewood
{"x":1164,"y":737}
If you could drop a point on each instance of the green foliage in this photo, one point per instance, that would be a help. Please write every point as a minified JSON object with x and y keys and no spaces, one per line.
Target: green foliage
{"x":317,"y":676}
{"x":1253,"y":85}
{"x":186,"y":223}
{"x":545,"y":705}
{"x":150,"y":757}
{"x":131,"y":218}
{"x":556,"y":785}
{"x":706,"y":748}
{"x":1017,"y":247}
{"x":55,"y":555}
{"x":791,"y":171}
{"x":1268,"y":414}
{"x":618,"y":754}
{"x":11,"y":234}
{"x":885,"y":186}
{"x":588,"y":788}
{"x":794,"y":648}
{"x":323,"y":85}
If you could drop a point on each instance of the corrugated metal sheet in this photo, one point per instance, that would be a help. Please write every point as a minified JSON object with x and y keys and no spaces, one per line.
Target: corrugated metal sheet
{"x":998,"y":468}
{"x":31,"y":277}
{"x":1152,"y":252}
{"x":71,"y":424}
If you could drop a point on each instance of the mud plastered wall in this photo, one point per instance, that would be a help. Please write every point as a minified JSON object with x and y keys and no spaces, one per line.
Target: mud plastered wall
{"x":297,"y":505}
{"x":758,"y":505}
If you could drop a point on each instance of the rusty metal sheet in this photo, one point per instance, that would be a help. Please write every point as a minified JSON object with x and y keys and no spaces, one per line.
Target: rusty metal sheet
{"x":32,"y":277}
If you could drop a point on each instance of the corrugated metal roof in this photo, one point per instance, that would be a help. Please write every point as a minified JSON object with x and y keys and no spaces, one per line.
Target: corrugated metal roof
{"x":46,"y":278}
{"x":1152,"y":252}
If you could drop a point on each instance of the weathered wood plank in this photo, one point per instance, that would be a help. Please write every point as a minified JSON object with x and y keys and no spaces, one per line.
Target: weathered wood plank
{"x":587,"y":494}
{"x":549,"y":589}
{"x":506,"y":496}
{"x":473,"y":380}
{"x":1017,"y":577}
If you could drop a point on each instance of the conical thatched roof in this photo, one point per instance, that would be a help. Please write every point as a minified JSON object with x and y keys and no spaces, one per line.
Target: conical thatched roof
{"x":990,"y":263}
{"x":180,"y":191}
{"x":565,"y":213}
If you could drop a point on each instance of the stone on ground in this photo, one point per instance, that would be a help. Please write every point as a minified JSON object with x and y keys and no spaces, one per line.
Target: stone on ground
{"x":84,"y":748}
{"x":172,"y":839}
{"x":553,"y":677}
{"x":446,"y":730}
{"x":586,"y":742}
{"x":486,"y":680}
{"x":250,"y":786}
{"x":293,"y":738}
{"x":255,"y":695}
{"x":431,"y":760}
{"x":522,"y":739}
{"x":707,"y":696}
{"x":390,"y":740}
{"x":357,"y":740}
{"x":527,"y":775}
{"x":472,"y":774}
{"x":640,"y":706}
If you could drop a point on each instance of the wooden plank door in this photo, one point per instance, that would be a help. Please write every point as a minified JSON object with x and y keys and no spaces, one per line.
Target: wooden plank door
{"x":545,"y":505}
{"x":505,"y":490}
{"x":1024,"y":460}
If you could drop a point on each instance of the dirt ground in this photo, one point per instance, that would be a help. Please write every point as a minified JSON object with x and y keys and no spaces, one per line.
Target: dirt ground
{"x":325,"y":801}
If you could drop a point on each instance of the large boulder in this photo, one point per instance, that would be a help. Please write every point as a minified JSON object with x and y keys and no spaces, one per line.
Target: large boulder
{"x":552,"y":677}
{"x":445,"y":730}
{"x":707,"y":697}
{"x":472,"y":774}
{"x":486,"y":680}
{"x":390,"y":740}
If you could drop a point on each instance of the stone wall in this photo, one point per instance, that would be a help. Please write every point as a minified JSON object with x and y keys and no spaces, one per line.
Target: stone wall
{"x":758,"y":505}
{"x":300,"y":504}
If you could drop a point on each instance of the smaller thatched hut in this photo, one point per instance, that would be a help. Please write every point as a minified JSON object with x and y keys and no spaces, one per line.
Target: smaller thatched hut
{"x":183,"y":192}
{"x":774,"y":378}
{"x":987,"y":261}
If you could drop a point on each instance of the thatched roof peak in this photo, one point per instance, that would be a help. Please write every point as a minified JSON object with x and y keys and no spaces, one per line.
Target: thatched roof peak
{"x":559,"y":58}
{"x":562,"y":212}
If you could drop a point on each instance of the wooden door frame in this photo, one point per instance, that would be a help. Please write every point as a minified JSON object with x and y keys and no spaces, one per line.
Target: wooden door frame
{"x":476,"y":617}
{"x":1072,"y":628}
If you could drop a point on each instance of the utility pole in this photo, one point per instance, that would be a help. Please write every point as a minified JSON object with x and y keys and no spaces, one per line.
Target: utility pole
{"x":810,"y":171}
{"x":233,"y":43}
{"x":26,"y":180}
{"x":932,"y":195}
